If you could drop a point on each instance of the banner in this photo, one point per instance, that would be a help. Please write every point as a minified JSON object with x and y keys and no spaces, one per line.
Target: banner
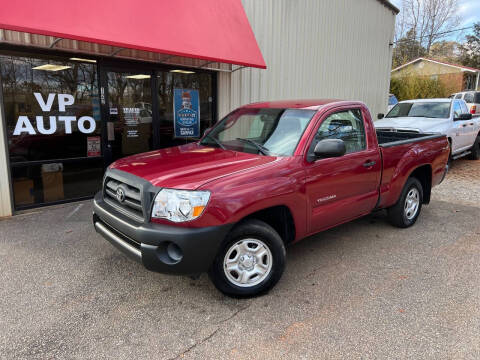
{"x":186,"y":113}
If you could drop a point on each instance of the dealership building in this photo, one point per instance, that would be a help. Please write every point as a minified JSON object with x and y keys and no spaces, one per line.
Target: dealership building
{"x":85,"y":83}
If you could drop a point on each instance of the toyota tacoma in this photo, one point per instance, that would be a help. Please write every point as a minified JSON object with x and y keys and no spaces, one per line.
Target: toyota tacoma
{"x":264,"y":177}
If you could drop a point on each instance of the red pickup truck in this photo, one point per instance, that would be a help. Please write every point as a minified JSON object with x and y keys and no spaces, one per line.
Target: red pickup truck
{"x":264,"y":177}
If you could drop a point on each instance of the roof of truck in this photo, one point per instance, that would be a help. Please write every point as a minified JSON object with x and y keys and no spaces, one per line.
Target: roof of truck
{"x":311,"y":104}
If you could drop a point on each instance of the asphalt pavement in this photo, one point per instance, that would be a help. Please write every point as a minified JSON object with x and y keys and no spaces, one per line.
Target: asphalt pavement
{"x":362,"y":290}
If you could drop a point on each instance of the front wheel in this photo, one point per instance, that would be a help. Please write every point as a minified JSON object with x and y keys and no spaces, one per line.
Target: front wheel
{"x":250,"y":262}
{"x":475,"y":154}
{"x":407,"y":209}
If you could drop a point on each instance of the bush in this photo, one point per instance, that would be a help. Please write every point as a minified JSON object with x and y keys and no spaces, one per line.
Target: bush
{"x":417,"y":87}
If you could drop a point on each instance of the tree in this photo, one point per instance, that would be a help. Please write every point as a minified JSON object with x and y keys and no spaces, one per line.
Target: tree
{"x":445,"y":51}
{"x":407,"y":49}
{"x":424,"y":22}
{"x":441,"y":17}
{"x":418,"y":87}
{"x":470,"y":50}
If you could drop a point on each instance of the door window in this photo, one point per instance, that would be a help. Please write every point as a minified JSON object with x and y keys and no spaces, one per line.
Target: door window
{"x":346,"y":126}
{"x":457,"y":109}
{"x":464,"y":108}
{"x":458,"y":96}
{"x":130,"y":112}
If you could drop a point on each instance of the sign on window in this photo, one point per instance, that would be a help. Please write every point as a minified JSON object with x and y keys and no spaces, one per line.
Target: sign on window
{"x":186,"y":110}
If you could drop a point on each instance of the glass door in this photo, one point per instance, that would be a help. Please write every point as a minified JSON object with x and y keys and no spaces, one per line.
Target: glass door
{"x":129,"y":112}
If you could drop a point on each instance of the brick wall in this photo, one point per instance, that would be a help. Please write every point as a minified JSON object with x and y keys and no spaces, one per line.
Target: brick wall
{"x":453,"y":82}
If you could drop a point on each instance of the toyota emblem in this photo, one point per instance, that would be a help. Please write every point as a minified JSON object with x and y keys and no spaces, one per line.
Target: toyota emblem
{"x":120,"y":195}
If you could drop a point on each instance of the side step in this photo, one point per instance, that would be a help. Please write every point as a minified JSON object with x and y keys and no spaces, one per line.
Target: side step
{"x":465,"y":153}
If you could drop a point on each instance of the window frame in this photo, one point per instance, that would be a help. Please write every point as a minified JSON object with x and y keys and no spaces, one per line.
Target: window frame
{"x":309,"y":154}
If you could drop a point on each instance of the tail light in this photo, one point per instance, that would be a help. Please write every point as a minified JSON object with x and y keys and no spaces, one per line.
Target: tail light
{"x":473,"y":109}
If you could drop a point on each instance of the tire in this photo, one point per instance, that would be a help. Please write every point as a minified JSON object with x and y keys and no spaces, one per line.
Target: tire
{"x":401,"y":214}
{"x":475,"y":155}
{"x":450,"y":159}
{"x":243,"y":240}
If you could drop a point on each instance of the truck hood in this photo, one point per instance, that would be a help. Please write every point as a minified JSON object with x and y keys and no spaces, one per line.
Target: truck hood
{"x":188,"y":166}
{"x":421,"y":124}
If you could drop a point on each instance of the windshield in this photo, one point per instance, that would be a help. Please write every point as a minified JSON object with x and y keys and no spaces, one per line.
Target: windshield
{"x":260,"y":131}
{"x":420,"y":109}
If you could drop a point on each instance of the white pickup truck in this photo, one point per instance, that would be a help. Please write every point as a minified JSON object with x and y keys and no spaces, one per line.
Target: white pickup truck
{"x":445,"y":116}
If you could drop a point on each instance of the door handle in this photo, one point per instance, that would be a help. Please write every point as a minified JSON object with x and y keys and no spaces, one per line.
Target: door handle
{"x":464,"y":125}
{"x":369,"y":164}
{"x":471,"y":124}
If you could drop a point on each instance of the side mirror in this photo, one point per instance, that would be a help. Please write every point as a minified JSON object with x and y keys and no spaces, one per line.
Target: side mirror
{"x":380,"y":116}
{"x":207,"y":130}
{"x":329,"y":148}
{"x":463,"y":117}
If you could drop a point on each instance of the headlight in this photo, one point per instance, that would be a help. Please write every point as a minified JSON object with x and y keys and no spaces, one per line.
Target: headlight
{"x":179,"y":205}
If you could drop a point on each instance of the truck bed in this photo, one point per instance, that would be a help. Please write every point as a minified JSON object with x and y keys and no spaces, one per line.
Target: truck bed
{"x":404,"y":151}
{"x":393,"y":138}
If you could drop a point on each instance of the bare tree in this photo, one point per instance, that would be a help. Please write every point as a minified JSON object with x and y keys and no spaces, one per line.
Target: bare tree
{"x":442,"y":17}
{"x":429,"y":20}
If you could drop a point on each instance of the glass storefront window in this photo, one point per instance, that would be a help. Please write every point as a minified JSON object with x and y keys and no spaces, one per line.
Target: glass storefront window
{"x":55,"y":130}
{"x":167,"y":82}
{"x":130,"y":113}
{"x":52,"y":114}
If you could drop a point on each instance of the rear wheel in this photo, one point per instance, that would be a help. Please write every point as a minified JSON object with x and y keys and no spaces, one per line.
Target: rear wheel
{"x":407,"y":209}
{"x":475,"y":152}
{"x":250,"y":262}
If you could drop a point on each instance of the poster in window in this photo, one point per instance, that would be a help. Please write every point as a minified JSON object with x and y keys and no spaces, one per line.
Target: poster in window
{"x":93,"y":146}
{"x":186,"y":110}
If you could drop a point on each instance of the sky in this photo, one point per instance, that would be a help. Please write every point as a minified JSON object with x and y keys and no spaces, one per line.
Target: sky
{"x":469,"y":12}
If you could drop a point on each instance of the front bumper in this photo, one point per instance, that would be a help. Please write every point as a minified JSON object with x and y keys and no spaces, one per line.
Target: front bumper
{"x":162,"y":248}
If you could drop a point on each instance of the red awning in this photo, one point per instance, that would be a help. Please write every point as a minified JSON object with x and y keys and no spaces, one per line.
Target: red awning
{"x":213,"y":30}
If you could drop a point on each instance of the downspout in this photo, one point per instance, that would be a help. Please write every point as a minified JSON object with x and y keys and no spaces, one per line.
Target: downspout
{"x":478,"y":77}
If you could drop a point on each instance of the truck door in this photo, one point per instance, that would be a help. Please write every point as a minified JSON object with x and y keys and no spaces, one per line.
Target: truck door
{"x":462,"y":140}
{"x":342,"y":188}
{"x":472,"y":124}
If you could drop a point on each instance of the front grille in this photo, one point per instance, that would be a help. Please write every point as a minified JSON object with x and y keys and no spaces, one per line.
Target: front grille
{"x":126,"y":197}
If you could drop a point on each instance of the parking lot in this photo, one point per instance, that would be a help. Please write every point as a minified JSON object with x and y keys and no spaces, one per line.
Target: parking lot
{"x":362,"y":290}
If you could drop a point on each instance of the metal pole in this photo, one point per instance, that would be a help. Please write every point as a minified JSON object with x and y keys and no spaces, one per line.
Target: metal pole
{"x":6,"y":205}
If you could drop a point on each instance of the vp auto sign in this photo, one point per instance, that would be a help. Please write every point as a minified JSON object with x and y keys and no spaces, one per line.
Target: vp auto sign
{"x":186,"y":110}
{"x":85,"y":124}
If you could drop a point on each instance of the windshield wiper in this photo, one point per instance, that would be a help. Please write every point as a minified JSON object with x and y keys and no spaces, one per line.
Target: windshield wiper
{"x":260,"y":148}
{"x":216,"y":141}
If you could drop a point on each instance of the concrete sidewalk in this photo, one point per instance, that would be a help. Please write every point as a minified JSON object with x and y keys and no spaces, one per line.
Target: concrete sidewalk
{"x":362,"y":290}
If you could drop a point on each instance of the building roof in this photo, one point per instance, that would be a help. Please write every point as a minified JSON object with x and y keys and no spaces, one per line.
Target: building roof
{"x":460,"y":67}
{"x":389,"y":5}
